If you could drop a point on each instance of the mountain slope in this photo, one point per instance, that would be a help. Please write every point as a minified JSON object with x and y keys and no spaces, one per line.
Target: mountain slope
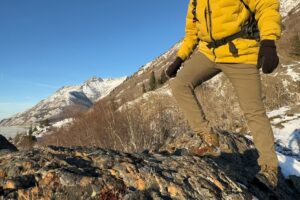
{"x":287,"y":5}
{"x":66,"y":102}
{"x":289,"y":42}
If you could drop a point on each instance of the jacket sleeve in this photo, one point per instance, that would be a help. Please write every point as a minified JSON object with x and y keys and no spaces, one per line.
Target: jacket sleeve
{"x":268,"y":18}
{"x":191,"y":35}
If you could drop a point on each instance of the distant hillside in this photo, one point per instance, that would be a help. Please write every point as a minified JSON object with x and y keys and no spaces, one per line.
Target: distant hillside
{"x":66,"y":102}
{"x":289,"y":44}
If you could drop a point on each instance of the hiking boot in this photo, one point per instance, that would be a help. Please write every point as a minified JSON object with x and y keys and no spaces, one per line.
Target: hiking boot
{"x":210,"y":146}
{"x":268,"y":176}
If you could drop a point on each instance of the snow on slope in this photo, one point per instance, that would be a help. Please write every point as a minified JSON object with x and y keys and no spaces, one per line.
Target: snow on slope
{"x":287,"y":5}
{"x":286,"y":127}
{"x":291,"y":71}
{"x":289,"y":165}
{"x":97,"y":88}
{"x":79,"y":97}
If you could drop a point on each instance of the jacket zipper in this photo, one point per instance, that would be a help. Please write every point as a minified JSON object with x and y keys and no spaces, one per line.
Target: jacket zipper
{"x":210,"y":24}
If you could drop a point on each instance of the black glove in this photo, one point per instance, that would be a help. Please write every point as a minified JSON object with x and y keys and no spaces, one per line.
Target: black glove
{"x":171,"y":71}
{"x":267,"y":56}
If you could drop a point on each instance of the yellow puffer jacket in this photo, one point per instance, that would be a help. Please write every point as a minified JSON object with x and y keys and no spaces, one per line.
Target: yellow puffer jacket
{"x":226,"y":18}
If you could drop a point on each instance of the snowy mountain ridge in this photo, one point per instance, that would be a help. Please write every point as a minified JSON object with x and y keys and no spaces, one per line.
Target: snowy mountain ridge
{"x":67,"y":99}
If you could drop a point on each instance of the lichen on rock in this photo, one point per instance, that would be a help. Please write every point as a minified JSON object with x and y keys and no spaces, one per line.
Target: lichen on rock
{"x":94,"y":173}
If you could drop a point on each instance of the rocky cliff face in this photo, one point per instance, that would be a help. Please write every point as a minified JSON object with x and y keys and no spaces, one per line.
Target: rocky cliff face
{"x":94,"y":173}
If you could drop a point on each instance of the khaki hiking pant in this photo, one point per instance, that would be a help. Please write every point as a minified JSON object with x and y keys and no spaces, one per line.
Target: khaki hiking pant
{"x":246,"y":80}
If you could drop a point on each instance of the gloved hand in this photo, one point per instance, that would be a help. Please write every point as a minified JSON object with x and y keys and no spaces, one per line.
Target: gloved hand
{"x":171,"y":71}
{"x":267,"y":56}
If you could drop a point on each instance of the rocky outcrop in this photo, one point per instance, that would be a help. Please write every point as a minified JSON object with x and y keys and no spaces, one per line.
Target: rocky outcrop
{"x":94,"y":173}
{"x":6,"y":146}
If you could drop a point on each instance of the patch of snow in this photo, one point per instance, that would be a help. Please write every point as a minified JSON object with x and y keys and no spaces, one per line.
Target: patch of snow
{"x":250,"y":137}
{"x":290,"y":65}
{"x":287,"y":5}
{"x":289,"y":135}
{"x":294,"y":75}
{"x":46,"y":130}
{"x":285,"y":83}
{"x":145,"y":67}
{"x":290,"y":71}
{"x":62,"y":123}
{"x":286,"y":129}
{"x":289,"y":165}
{"x":280,"y":111}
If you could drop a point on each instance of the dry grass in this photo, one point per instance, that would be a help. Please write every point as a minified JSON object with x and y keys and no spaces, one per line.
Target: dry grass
{"x":24,"y":142}
{"x":135,"y":128}
{"x":275,"y":94}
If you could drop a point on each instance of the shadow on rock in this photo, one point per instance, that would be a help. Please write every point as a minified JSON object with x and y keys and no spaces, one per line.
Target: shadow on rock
{"x":242,"y":168}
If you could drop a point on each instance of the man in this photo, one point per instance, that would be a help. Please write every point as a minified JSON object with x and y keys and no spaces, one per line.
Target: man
{"x":238,"y":38}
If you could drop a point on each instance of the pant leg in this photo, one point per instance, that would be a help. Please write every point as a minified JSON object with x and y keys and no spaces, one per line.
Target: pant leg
{"x":247,"y":83}
{"x":197,"y":69}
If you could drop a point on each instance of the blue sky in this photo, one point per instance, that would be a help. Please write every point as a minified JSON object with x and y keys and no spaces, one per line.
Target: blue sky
{"x":46,"y":44}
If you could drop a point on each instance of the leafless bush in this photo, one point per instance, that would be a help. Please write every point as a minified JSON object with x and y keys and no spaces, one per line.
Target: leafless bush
{"x":275,"y":94}
{"x":134,"y":128}
{"x":24,"y":141}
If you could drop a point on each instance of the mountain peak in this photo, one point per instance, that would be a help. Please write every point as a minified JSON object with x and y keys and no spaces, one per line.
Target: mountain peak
{"x":94,"y":79}
{"x":80,"y":97}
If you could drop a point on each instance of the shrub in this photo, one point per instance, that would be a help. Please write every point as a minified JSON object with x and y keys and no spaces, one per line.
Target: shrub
{"x":152,"y":81}
{"x":295,"y":48}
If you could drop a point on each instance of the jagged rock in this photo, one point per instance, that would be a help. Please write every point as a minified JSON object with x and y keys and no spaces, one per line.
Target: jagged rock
{"x":94,"y":173}
{"x":6,"y":146}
